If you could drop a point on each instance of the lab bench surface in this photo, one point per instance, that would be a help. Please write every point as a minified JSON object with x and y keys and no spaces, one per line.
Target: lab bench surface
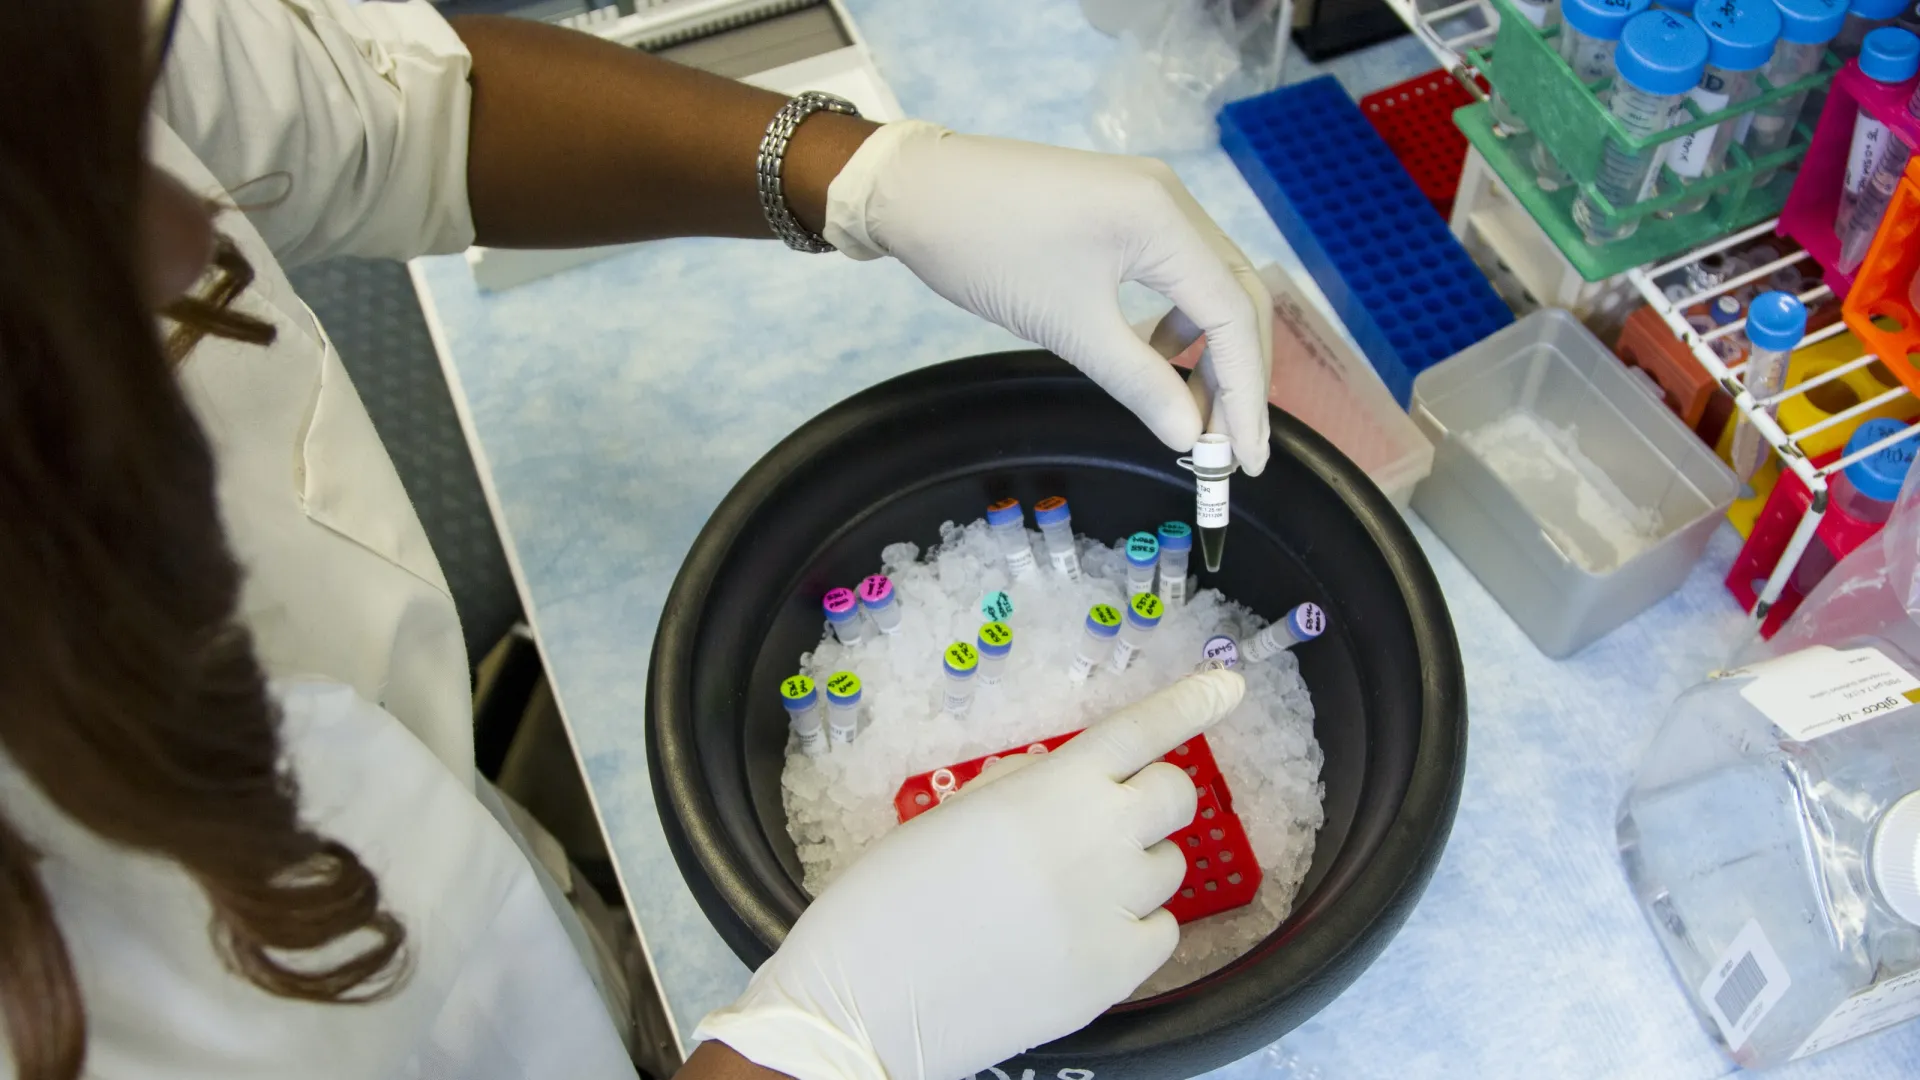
{"x":612,"y":406}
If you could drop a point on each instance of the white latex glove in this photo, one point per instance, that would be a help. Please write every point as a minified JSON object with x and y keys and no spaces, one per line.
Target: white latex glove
{"x":1008,"y":916}
{"x":1039,"y":238}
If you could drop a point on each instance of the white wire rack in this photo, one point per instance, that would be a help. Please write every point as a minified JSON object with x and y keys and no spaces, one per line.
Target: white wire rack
{"x":1448,"y":29}
{"x":1761,"y":412}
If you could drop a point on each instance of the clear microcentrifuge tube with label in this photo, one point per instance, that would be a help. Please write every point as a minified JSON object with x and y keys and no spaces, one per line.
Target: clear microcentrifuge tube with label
{"x":1143,"y":556}
{"x":1775,"y":324}
{"x":995,"y":644}
{"x":1055,"y":519}
{"x":1176,"y":547}
{"x":1877,"y":159}
{"x":1806,"y":26}
{"x":805,"y":714}
{"x":1212,"y":465}
{"x":997,"y":606}
{"x":961,"y":663}
{"x":1589,"y":32}
{"x":1103,"y":625}
{"x":843,"y":707}
{"x":1009,"y":525}
{"x":1141,"y":618}
{"x":878,"y":601}
{"x":1661,"y":57}
{"x":1740,"y":39}
{"x":1220,"y":653}
{"x":1303,"y":623}
{"x":843,"y":614}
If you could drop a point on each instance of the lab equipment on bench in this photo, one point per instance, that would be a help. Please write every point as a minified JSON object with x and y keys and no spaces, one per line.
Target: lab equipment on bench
{"x":805,"y":714}
{"x":1862,"y":494}
{"x":1806,"y":26}
{"x":1775,"y":324}
{"x":1661,"y":56}
{"x":1876,"y":158}
{"x":1009,"y":525}
{"x":1589,"y":34}
{"x":1176,"y":547}
{"x":1212,"y":466}
{"x":1102,"y":626}
{"x":1055,"y":519}
{"x":1740,"y":39}
{"x":1772,"y":839}
{"x":880,"y":604}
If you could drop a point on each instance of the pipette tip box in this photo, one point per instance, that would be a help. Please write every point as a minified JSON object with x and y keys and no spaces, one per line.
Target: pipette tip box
{"x":1404,"y":286}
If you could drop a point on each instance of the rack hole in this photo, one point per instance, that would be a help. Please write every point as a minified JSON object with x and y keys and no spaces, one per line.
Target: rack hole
{"x":1833,"y":397}
{"x":1217,"y":834}
{"x":1233,"y":879}
{"x":1200,"y":864}
{"x":1206,"y":812}
{"x":1213,"y":886}
{"x":921,"y":799}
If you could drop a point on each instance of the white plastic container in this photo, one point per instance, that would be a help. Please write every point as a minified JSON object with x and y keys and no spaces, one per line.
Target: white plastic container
{"x":1772,"y":838}
{"x":1579,"y":545}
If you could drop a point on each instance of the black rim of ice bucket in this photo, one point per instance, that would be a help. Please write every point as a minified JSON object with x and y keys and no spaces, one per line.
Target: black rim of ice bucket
{"x":1197,"y":1027}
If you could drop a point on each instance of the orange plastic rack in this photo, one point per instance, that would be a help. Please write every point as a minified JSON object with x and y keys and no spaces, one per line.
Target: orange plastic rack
{"x":1879,"y":309}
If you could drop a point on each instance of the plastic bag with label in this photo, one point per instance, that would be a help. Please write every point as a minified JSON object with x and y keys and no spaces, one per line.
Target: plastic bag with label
{"x":1875,"y":590}
{"x":1178,"y":62}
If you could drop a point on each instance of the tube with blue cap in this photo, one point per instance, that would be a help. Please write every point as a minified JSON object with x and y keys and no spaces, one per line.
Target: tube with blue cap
{"x":1176,"y":547}
{"x":1877,"y":159}
{"x":1775,"y":324}
{"x":1303,"y":623}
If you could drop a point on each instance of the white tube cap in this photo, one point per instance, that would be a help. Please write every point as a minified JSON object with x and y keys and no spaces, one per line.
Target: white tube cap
{"x":1213,"y":452}
{"x":1896,"y":857}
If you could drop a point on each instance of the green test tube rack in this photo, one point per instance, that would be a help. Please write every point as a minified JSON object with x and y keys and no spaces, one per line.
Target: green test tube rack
{"x":1524,"y":67}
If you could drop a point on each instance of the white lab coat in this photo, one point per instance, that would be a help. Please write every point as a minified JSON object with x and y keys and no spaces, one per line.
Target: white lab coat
{"x":342,"y":130}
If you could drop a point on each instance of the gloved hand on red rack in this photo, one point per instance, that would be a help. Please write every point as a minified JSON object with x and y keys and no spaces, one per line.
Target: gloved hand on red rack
{"x":1038,"y":239}
{"x":1006,"y":917}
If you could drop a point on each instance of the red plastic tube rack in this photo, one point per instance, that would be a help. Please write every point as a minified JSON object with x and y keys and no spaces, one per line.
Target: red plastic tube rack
{"x":1222,"y":873}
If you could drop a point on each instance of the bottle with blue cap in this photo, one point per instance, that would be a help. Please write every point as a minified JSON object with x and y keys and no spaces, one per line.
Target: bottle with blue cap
{"x":1542,"y":14}
{"x":1102,"y":626}
{"x":1009,"y":525}
{"x":1176,"y":547}
{"x":995,"y":645}
{"x":1143,"y":557}
{"x":1863,"y":18}
{"x":1876,"y":158}
{"x":1661,"y":56}
{"x":1863,"y":492}
{"x":805,"y":715}
{"x":960,"y":663}
{"x":843,"y":707}
{"x":1740,"y":39}
{"x":1304,"y":623}
{"x":1806,"y":26}
{"x":1589,"y":33}
{"x":1142,"y":617}
{"x":1775,"y":324}
{"x":1055,"y":519}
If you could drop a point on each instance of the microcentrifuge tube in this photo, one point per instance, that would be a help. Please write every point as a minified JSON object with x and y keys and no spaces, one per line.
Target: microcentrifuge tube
{"x":1303,"y":623}
{"x":1143,"y":556}
{"x":1220,"y":653}
{"x":1103,"y":625}
{"x":1176,"y":547}
{"x":843,"y":614}
{"x":1142,"y":616}
{"x":996,"y":606}
{"x":1211,"y":465}
{"x":995,"y":644}
{"x":1055,"y":519}
{"x":843,"y":707}
{"x":961,"y":663}
{"x":1009,"y":527}
{"x":877,"y":599}
{"x":805,"y":713}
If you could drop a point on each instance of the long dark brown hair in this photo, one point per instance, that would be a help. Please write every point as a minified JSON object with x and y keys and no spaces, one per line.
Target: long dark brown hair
{"x":129,"y":693}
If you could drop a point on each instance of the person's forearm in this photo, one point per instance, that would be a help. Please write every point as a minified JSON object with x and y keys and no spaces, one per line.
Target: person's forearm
{"x":718,"y":1061}
{"x":577,"y":141}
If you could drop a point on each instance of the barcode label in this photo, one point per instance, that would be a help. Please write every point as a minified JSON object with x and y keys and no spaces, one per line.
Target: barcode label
{"x":1744,"y":985}
{"x":1741,"y":987}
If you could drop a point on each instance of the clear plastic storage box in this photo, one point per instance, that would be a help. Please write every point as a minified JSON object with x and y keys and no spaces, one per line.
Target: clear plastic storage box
{"x":1575,"y":496}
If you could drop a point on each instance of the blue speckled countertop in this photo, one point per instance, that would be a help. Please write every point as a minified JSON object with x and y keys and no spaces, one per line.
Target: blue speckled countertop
{"x":616,"y":403}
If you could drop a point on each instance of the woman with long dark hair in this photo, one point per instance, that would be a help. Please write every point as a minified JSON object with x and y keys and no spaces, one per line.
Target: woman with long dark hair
{"x":240,"y":832}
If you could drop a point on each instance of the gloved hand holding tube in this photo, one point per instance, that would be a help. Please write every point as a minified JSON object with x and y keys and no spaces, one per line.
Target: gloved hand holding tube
{"x":1038,"y":239}
{"x":1007,"y":917}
